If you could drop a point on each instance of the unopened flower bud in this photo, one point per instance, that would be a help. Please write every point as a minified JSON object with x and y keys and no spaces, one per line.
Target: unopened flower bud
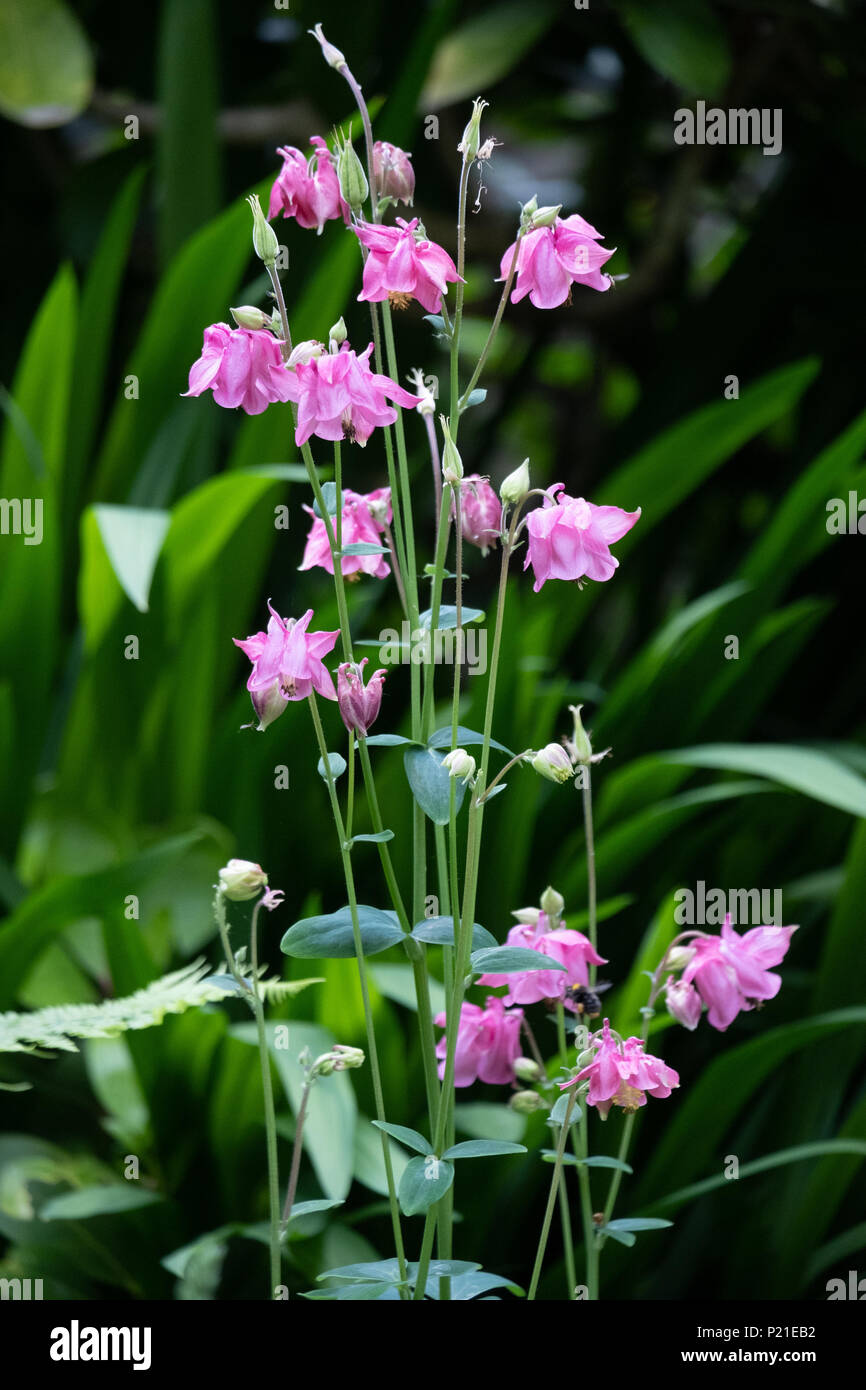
{"x":545,"y":217}
{"x":305,"y":352}
{"x":527,"y":916}
{"x":248,"y":316}
{"x":265,"y":242}
{"x":459,"y":764}
{"x":552,"y":903}
{"x":526,"y":1069}
{"x":528,"y":211}
{"x":471,"y":141}
{"x":347,"y":1058}
{"x":683,"y":1003}
{"x":358,"y":704}
{"x":582,"y":748}
{"x":241,"y":880}
{"x":393,"y":173}
{"x":332,"y":56}
{"x":679,"y":957}
{"x":515,"y":487}
{"x":353,"y":180}
{"x":338,"y":333}
{"x":452,"y":464}
{"x":525,"y":1102}
{"x":585,"y":1058}
{"x":553,"y":763}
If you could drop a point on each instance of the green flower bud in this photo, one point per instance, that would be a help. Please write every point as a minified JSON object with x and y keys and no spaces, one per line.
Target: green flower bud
{"x":459,"y":764}
{"x":515,"y":487}
{"x":452,"y":464}
{"x":582,"y":748}
{"x":526,"y":1069}
{"x":353,"y":180}
{"x":552,"y":903}
{"x":545,"y":217}
{"x":265,"y":243}
{"x":525,"y":1102}
{"x":471,"y":141}
{"x":248,"y":316}
{"x":553,"y":763}
{"x":338,"y":333}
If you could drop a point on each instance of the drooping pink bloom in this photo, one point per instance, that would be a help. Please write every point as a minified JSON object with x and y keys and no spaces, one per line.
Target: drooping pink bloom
{"x":392,"y":167}
{"x":551,"y":259}
{"x":339,"y":397}
{"x":571,"y":948}
{"x":570,"y":538}
{"x":480,"y":512}
{"x":683,"y":1003}
{"x":405,"y":266}
{"x":731,"y":972}
{"x":488,"y":1043}
{"x":364,"y":516}
{"x":287,"y":664}
{"x":308,"y":189}
{"x":623,"y":1074}
{"x":358,"y":703}
{"x":242,"y":366}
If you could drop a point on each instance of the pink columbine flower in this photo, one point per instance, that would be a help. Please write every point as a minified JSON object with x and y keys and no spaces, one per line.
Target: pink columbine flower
{"x":402,"y":266}
{"x":287,"y":664}
{"x":623,"y":1074}
{"x":570,"y":538}
{"x":359,"y":704}
{"x":339,"y":397}
{"x":480,"y":512}
{"x":364,"y":517}
{"x":392,"y":167}
{"x":730,"y":972}
{"x":242,"y":366}
{"x":683,"y":1003}
{"x":308,"y":190}
{"x":488,"y":1043}
{"x":551,"y":259}
{"x":571,"y":948}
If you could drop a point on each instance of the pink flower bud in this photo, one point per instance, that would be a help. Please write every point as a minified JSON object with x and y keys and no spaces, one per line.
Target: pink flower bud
{"x":480,"y":512}
{"x":393,"y":172}
{"x":683,"y":1003}
{"x":241,"y":880}
{"x":358,"y":705}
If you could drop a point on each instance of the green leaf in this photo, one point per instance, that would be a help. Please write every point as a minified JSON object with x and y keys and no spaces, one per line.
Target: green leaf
{"x":98,"y":1201}
{"x":380,"y":838}
{"x":410,"y":1137}
{"x":133,"y":538}
{"x":310,"y":1208}
{"x":478,"y":53}
{"x":448,"y":617}
{"x":387,"y":740}
{"x":602,"y":1161}
{"x":636,"y":1223}
{"x":424,"y":1181}
{"x":369,"y":1160}
{"x":476,"y":397}
{"x":336,"y":762}
{"x":805,"y":770}
{"x":483,"y":1148}
{"x":623,"y":1238}
{"x":505,"y":960}
{"x":560,"y":1110}
{"x":683,"y":40}
{"x":187,"y":141}
{"x":439,"y":931}
{"x":442,"y":738}
{"x":397,"y":982}
{"x":364,"y":548}
{"x":484,"y":1120}
{"x":466,"y":1286}
{"x":801,"y":1153}
{"x":46,"y":66}
{"x":329,"y":496}
{"x":431,"y":783}
{"x":330,"y":936}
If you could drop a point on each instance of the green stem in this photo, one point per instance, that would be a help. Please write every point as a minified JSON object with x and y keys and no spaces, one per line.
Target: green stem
{"x":551,"y":1199}
{"x":567,"y":1237}
{"x":270,"y":1111}
{"x":454,"y":420}
{"x":590,"y":867}
{"x":296,"y":1153}
{"x":372,"y":1050}
{"x":494,"y":328}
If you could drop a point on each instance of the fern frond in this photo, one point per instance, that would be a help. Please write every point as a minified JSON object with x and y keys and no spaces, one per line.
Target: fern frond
{"x":56,"y":1027}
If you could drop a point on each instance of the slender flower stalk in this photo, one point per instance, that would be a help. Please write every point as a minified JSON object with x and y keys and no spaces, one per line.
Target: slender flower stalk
{"x":551,"y":1199}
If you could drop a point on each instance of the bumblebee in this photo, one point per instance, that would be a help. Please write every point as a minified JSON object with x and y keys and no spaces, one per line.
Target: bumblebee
{"x":586,"y":1001}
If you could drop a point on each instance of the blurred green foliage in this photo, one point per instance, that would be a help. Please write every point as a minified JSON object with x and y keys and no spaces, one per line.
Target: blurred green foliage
{"x":131,"y":777}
